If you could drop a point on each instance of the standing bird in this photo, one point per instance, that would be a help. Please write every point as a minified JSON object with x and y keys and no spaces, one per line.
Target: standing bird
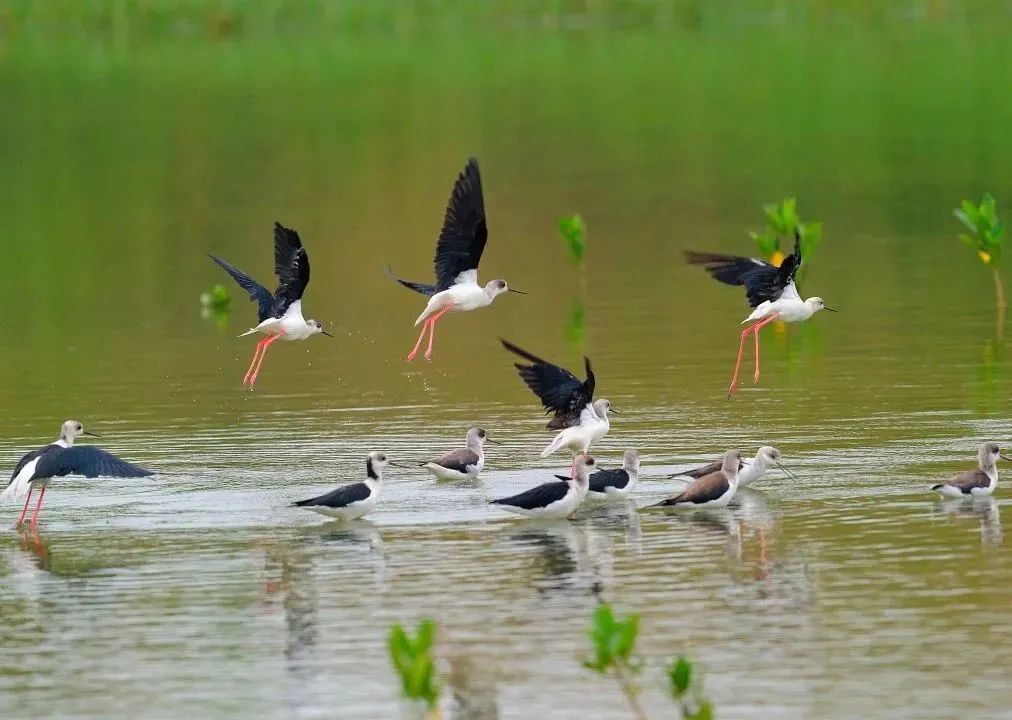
{"x":350,"y":502}
{"x":581,"y":420}
{"x":616,"y":484}
{"x":975,"y":483}
{"x":462,"y":464}
{"x":713,"y":490}
{"x":770,"y":291}
{"x":750,"y":469}
{"x":61,"y":458}
{"x":280,"y":314}
{"x":556,"y":499}
{"x":458,"y":252}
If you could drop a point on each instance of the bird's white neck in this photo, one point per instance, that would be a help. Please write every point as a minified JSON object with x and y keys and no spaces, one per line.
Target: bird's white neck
{"x":65,"y":442}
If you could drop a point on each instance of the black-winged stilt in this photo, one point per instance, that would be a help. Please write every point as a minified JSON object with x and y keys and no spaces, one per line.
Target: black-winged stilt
{"x":280,"y":314}
{"x":556,"y":499}
{"x":581,"y":420}
{"x":770,"y":290}
{"x":616,"y":484}
{"x":61,"y":458}
{"x":981,"y":481}
{"x":750,"y":469}
{"x":458,"y":252}
{"x":350,"y":502}
{"x":713,"y":490}
{"x":464,"y":463}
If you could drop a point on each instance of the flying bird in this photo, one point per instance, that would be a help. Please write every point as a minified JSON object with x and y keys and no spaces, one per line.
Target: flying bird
{"x":280,"y":314}
{"x":770,"y":291}
{"x":750,"y":469}
{"x":350,"y":502}
{"x":580,"y":420}
{"x":458,"y":252}
{"x":713,"y":490}
{"x":61,"y":458}
{"x":556,"y":499}
{"x":464,"y":463}
{"x":975,"y":483}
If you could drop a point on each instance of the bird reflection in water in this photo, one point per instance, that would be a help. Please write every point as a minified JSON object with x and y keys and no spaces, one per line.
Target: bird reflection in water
{"x":983,"y":509}
{"x":473,"y":685}
{"x":565,"y":554}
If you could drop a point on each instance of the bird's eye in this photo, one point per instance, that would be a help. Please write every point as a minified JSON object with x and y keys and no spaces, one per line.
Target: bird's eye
{"x":79,"y":426}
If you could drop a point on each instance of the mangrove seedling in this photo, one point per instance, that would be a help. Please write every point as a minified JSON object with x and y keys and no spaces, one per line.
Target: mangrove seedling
{"x":986,"y":234}
{"x":687,"y":690}
{"x":613,"y":641}
{"x":414,"y":662}
{"x":781,"y":220}
{"x":573,"y":232}
{"x":217,"y":300}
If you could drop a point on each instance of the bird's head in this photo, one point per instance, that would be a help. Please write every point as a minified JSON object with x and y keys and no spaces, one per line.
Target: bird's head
{"x":602,"y":407}
{"x":476,"y":437}
{"x":73,"y":429}
{"x":989,"y":454}
{"x":376,"y":463}
{"x":816,"y":303}
{"x":495,"y":288}
{"x":315,"y":326}
{"x":732,"y":459}
{"x":769,"y":455}
{"x":584,"y":465}
{"x":631,"y":460}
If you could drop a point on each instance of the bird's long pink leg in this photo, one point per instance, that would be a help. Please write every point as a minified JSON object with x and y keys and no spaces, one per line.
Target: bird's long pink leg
{"x":25,"y":508}
{"x":737,"y":365}
{"x":414,"y":350}
{"x":432,"y":329}
{"x":755,"y":331}
{"x":38,"y":506}
{"x":256,"y":354}
{"x":263,"y":354}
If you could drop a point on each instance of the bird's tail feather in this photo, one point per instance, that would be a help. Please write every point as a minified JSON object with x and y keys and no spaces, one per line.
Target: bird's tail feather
{"x":17,"y":488}
{"x":553,"y":446}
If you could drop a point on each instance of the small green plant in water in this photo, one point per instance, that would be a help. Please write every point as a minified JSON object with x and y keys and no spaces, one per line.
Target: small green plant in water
{"x":781,"y":221}
{"x":217,"y":301}
{"x":574,"y":233}
{"x":986,"y":235}
{"x":415,"y":664}
{"x":613,"y":641}
{"x":687,"y":691}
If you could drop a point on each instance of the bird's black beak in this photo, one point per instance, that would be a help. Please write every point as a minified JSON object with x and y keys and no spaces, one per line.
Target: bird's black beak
{"x":391,"y":463}
{"x":494,"y":442}
{"x":326,"y":333}
{"x":518,"y":292}
{"x":1004,"y":458}
{"x":85,"y":432}
{"x":826,"y":307}
{"x":787,"y":472}
{"x":613,"y":410}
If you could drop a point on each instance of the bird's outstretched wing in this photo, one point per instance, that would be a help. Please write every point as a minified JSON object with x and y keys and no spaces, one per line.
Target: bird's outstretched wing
{"x":560,"y":391}
{"x":763,"y":281}
{"x":342,"y":497}
{"x":462,"y":239}
{"x":86,"y":460}
{"x":423,"y":288}
{"x":291,"y":265}
{"x":257,"y":292}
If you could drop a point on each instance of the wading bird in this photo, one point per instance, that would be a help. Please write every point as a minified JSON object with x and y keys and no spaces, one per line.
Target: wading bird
{"x":974,"y":483}
{"x":713,"y":490}
{"x":458,"y":252}
{"x":556,"y":499}
{"x":750,"y":470}
{"x":581,"y":420}
{"x":464,"y":463}
{"x":280,"y":314}
{"x":353,"y":501}
{"x":770,"y":291}
{"x":616,"y":484}
{"x":61,"y":458}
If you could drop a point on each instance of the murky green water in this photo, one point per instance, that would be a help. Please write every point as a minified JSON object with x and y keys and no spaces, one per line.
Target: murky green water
{"x":851,"y":593}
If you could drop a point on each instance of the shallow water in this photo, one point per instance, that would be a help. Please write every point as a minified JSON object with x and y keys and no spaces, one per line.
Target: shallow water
{"x":849,"y":593}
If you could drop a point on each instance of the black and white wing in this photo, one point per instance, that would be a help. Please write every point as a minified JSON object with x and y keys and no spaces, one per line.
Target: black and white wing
{"x":291,"y":265}
{"x":339,"y":498}
{"x":28,"y":457}
{"x":462,"y":239}
{"x":539,"y":497}
{"x":458,"y":460}
{"x":86,"y":460}
{"x":763,"y":281}
{"x":560,"y":391}
{"x":257,"y":292}
{"x":604,"y":479}
{"x":707,"y":488}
